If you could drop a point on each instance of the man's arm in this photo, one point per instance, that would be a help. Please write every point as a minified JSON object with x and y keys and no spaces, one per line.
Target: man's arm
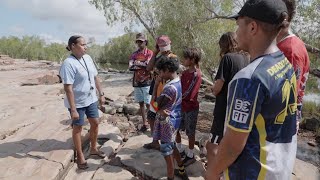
{"x":222,"y":73}
{"x":216,"y":88}
{"x":229,"y":149}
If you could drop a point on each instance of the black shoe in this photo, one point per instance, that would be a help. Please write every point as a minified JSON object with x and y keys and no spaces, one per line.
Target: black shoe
{"x":187,"y":161}
{"x":143,"y":128}
{"x":183,"y":176}
{"x":182,"y":155}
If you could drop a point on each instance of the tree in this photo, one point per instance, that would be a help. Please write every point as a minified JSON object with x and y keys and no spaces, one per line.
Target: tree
{"x":140,"y":11}
{"x":118,"y":50}
{"x":186,"y":22}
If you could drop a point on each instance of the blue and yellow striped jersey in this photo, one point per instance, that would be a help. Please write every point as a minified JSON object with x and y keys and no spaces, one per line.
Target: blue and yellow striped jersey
{"x":262,"y":102}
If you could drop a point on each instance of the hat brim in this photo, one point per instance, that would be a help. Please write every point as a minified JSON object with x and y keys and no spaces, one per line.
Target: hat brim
{"x":233,"y":17}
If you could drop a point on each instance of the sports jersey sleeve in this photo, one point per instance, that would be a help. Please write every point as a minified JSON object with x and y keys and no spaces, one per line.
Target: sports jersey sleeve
{"x":245,"y":97}
{"x":67,"y":73}
{"x":167,"y":98}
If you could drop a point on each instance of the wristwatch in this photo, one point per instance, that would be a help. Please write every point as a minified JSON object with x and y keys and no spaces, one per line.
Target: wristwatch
{"x":102,"y":94}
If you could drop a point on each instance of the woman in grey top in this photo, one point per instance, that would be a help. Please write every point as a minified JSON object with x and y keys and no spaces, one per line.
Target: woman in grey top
{"x":81,"y":84}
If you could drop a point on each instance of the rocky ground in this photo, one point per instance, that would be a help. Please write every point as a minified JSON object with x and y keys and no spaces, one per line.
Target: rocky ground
{"x":35,"y":133}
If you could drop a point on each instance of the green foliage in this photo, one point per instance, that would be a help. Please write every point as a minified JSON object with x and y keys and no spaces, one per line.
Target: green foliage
{"x":188,"y":23}
{"x":118,"y":50}
{"x":31,"y":48}
{"x":139,"y":11}
{"x":312,"y":85}
{"x":307,"y":21}
{"x":310,"y":109}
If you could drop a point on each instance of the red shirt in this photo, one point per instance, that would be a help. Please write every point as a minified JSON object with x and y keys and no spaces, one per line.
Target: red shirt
{"x":190,"y":82}
{"x":140,"y":60}
{"x":295,"y":51}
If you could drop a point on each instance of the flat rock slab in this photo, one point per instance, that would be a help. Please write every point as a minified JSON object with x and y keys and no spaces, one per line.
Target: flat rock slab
{"x":150,"y":162}
{"x":27,"y":167}
{"x":113,"y":172}
{"x":305,"y":171}
{"x":109,"y":132}
{"x":77,"y":174}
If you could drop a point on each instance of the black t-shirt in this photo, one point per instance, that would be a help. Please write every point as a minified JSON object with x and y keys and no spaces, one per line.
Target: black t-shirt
{"x":230,"y":64}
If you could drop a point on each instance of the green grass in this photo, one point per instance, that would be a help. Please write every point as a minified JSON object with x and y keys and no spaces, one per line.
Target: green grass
{"x":310,"y":109}
{"x":312,"y":85}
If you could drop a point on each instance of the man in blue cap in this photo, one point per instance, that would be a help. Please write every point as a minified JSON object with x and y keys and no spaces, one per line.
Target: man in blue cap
{"x":260,"y":138}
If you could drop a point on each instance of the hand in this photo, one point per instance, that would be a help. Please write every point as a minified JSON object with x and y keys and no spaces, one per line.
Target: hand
{"x":102,"y":100}
{"x":211,"y":88}
{"x":158,"y":80}
{"x":74,"y":115}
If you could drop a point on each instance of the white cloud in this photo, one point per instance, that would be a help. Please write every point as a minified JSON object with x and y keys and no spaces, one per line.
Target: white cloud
{"x":17,"y":29}
{"x":50,"y":39}
{"x":72,"y":16}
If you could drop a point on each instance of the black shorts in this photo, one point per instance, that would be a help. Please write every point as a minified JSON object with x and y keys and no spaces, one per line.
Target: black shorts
{"x":151,"y":116}
{"x":189,"y":122}
{"x":217,"y":128}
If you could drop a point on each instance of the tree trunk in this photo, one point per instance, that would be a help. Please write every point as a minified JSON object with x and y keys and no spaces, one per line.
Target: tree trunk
{"x":312,"y":49}
{"x":315,"y":72}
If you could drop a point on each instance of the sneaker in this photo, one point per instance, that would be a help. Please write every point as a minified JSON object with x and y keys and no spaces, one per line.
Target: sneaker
{"x":183,"y":176}
{"x":187,"y":161}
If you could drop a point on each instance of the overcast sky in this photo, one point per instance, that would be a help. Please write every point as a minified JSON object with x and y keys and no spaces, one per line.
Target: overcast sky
{"x":55,"y":20}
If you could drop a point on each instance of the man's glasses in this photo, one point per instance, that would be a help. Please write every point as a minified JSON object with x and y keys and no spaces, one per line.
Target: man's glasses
{"x":139,"y":42}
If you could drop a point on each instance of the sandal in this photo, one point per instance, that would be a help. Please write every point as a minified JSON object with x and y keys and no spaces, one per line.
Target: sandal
{"x":99,"y":154}
{"x":83,"y":165}
{"x":152,"y":145}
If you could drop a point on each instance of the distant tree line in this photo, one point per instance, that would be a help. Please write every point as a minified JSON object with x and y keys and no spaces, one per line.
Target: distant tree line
{"x":32,"y":48}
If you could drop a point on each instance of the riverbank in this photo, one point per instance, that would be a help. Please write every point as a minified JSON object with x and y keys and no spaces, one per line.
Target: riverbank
{"x":35,"y":133}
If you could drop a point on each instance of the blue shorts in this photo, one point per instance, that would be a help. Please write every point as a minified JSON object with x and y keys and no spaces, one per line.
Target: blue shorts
{"x":166,"y":149}
{"x":141,"y":94}
{"x":166,"y":133}
{"x":90,"y":111}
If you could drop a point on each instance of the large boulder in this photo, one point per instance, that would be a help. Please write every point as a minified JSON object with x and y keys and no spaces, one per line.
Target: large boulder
{"x":49,"y":79}
{"x":312,"y":124}
{"x":132,"y":109}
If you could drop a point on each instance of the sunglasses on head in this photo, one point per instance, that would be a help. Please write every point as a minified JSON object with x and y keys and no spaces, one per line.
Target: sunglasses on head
{"x":139,"y":41}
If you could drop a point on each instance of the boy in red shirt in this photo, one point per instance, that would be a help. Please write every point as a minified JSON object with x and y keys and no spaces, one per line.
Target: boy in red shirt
{"x":141,"y":77}
{"x":295,"y":51}
{"x":190,"y":82}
